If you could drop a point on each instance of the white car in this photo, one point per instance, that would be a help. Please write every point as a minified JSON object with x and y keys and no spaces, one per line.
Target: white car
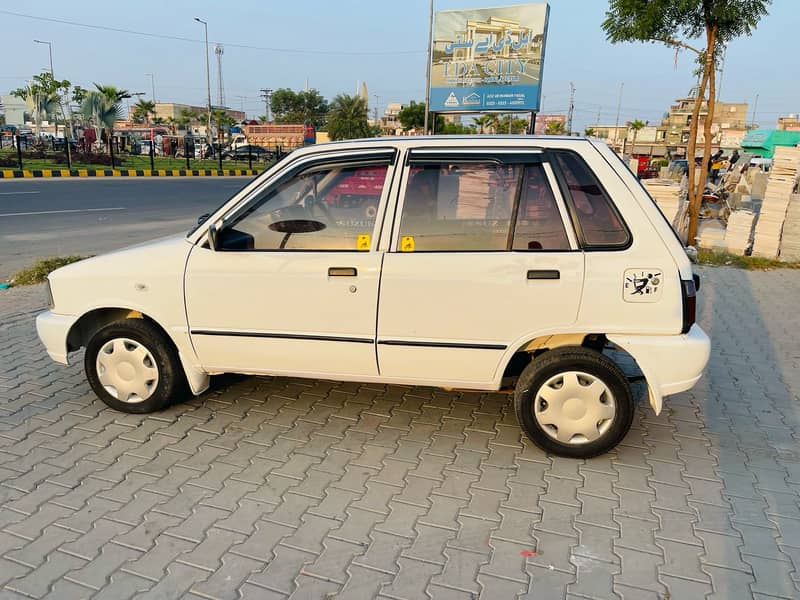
{"x":461,"y":262}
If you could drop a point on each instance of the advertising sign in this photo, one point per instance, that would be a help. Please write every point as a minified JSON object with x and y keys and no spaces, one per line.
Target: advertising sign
{"x":488,"y":59}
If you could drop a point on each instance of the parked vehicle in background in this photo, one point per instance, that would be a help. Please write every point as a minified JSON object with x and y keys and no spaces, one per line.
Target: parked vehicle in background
{"x":245,"y":152}
{"x":504,"y":263}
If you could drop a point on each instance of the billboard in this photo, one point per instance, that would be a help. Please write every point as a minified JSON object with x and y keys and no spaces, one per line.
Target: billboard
{"x":488,"y":59}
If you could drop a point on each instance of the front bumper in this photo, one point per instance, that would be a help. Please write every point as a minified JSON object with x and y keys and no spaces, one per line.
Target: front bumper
{"x":670,"y":363}
{"x":53,"y":330}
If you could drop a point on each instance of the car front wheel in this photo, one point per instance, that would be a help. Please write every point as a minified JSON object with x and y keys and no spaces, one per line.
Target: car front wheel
{"x":574,"y":402}
{"x":133,"y":368}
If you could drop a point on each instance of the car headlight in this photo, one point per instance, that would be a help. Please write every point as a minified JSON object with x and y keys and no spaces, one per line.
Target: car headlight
{"x":50,"y":302}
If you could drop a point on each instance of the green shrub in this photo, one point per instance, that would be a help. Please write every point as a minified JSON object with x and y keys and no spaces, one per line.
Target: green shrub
{"x":37,"y":272}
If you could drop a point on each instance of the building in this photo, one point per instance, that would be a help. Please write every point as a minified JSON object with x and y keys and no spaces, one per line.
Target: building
{"x":172,"y":110}
{"x":390,"y":121}
{"x":14,"y":109}
{"x":727,"y":116}
{"x":614,"y":135}
{"x":790,"y":123}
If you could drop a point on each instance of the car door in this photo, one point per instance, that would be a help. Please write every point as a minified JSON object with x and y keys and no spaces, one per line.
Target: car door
{"x":293,"y":285}
{"x":481,"y":257}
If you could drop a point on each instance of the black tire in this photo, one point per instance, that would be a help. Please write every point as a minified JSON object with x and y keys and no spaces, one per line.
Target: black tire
{"x":574,"y":358}
{"x":171,"y":384}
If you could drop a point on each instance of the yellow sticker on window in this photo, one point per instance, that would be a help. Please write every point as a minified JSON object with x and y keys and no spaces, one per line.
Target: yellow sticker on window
{"x":407,"y":243}
{"x":363,"y":241}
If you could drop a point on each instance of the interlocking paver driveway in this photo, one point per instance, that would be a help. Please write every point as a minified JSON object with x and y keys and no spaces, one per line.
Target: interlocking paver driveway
{"x":274,"y":488}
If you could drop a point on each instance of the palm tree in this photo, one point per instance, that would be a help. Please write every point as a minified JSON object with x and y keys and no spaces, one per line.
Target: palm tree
{"x":185,"y":118}
{"x":554,"y":128}
{"x":483,"y":122}
{"x":223,"y":121}
{"x":589,"y":132}
{"x":347,"y":118}
{"x":635,"y":126}
{"x":103,"y":107}
{"x":262,"y":118}
{"x":142,"y":111}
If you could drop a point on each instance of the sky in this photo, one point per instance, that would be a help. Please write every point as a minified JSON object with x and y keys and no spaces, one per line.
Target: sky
{"x":335,"y":45}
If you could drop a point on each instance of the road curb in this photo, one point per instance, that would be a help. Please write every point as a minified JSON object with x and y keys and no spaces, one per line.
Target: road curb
{"x":35,"y":173}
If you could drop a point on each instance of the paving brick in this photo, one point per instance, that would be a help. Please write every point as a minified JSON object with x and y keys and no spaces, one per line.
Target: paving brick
{"x":594,"y":578}
{"x":281,"y":572}
{"x":364,"y":583}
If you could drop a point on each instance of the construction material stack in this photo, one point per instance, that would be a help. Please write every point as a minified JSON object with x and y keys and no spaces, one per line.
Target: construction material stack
{"x":780,"y":185}
{"x":739,"y":232}
{"x":790,"y":241}
{"x":670,"y":198}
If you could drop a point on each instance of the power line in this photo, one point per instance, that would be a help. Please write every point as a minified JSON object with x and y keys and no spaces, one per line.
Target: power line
{"x":198,"y":41}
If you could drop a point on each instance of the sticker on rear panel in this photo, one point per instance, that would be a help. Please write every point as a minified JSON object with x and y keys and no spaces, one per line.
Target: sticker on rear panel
{"x":643,"y":285}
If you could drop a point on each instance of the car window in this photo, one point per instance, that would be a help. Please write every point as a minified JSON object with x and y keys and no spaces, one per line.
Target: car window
{"x":458,"y":207}
{"x":538,"y":224}
{"x":324,"y":208}
{"x":599,"y":220}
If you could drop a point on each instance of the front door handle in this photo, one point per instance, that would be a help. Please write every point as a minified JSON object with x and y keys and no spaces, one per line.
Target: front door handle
{"x":544,"y":274}
{"x":342,"y":272}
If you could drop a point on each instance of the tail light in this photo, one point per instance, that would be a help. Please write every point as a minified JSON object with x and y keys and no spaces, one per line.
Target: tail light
{"x":689,"y":291}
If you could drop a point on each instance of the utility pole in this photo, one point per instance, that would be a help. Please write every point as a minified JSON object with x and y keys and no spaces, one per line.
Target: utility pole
{"x":428,"y":69}
{"x":266,"y":94}
{"x":50,"y":49}
{"x":152,"y":85}
{"x":599,"y":110}
{"x":619,"y":108}
{"x":571,"y":107}
{"x":377,"y":103}
{"x":208,"y":78}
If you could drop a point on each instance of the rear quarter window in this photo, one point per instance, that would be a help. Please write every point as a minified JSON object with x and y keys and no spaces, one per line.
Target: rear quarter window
{"x":598,"y":220}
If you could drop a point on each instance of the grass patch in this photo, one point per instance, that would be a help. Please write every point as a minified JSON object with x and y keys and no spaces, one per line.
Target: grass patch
{"x":753,"y":263}
{"x":39,"y":270}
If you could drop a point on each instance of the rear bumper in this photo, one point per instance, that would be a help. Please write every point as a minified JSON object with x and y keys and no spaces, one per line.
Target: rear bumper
{"x":670,"y":363}
{"x":53,"y":330}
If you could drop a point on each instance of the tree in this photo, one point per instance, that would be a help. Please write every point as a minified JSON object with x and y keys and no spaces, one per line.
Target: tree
{"x":262,"y":119}
{"x":289,"y":106}
{"x":676,"y":23}
{"x":185,"y":118}
{"x":589,"y":132}
{"x":347,"y":118}
{"x":103,"y":107}
{"x":635,"y":126}
{"x":458,"y":129}
{"x":413,"y":117}
{"x":483,"y":122}
{"x":42,"y":95}
{"x":554,"y":128}
{"x":222,"y":121}
{"x":510,"y":124}
{"x":142,"y":111}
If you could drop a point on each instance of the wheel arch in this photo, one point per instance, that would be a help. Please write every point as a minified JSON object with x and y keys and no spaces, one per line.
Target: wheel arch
{"x":92,"y":321}
{"x":527,"y":351}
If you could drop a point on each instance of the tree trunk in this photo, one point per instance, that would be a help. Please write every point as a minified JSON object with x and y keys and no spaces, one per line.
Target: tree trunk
{"x":695,"y":198}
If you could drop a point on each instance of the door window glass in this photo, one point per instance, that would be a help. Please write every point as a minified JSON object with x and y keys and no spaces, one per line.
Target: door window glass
{"x":539,"y":225}
{"x":599,"y":220}
{"x":458,"y":207}
{"x":326,"y":208}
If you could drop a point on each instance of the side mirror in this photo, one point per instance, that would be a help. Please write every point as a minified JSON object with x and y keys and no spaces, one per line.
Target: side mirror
{"x":212,"y":237}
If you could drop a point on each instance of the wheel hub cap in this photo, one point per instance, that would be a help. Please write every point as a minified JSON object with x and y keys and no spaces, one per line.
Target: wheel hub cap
{"x":127,"y":370}
{"x":574,"y":407}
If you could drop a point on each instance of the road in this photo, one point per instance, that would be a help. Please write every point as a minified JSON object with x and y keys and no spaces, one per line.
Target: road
{"x":52,"y":217}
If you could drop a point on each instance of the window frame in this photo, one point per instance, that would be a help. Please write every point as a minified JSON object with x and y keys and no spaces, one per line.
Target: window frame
{"x":501,"y":156}
{"x":383,"y":156}
{"x":573,"y":213}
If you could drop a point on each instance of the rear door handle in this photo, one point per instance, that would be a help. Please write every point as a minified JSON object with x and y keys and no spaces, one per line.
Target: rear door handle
{"x":342,"y":272}
{"x":544,"y":274}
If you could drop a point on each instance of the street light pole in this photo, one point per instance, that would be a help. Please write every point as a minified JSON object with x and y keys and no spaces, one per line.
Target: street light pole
{"x":208,"y":78}
{"x":50,"y":50}
{"x":152,"y":84}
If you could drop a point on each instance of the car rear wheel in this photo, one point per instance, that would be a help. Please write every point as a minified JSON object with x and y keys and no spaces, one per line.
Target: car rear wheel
{"x":574,"y":402}
{"x":133,"y":368}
